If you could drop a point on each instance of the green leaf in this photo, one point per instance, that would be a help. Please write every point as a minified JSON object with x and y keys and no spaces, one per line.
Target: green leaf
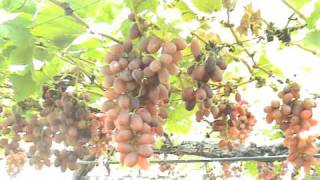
{"x":187,"y":13}
{"x":277,"y":166}
{"x":101,"y":11}
{"x":22,"y":55}
{"x":138,"y":6}
{"x":27,"y":6}
{"x":150,"y":5}
{"x":179,"y":119}
{"x":251,"y":168}
{"x":125,"y":26}
{"x":42,"y":54}
{"x":298,"y":4}
{"x":265,"y":63}
{"x":312,"y":39}
{"x":208,"y":6}
{"x":276,"y":135}
{"x":314,"y":17}
{"x":17,"y":30}
{"x":47,"y":72}
{"x":23,"y":86}
{"x":54,"y":25}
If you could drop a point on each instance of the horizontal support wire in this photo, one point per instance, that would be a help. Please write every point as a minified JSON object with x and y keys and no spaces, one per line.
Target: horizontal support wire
{"x":230,"y":159}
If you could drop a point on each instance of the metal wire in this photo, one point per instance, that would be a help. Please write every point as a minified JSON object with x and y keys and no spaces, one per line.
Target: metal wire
{"x":231,"y":159}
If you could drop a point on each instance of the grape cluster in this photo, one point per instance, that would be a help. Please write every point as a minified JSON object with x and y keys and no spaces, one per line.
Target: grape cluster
{"x":64,"y":119}
{"x":295,"y":118}
{"x":13,"y":125}
{"x":266,"y":171}
{"x":233,"y":121}
{"x":137,"y":90}
{"x":201,"y":72}
{"x":15,"y":163}
{"x":69,"y":121}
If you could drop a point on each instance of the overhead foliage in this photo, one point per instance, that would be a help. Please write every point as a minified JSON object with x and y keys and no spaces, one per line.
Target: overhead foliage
{"x":141,"y":77}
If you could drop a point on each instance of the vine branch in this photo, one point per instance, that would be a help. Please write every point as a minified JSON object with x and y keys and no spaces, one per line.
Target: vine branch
{"x":294,"y":10}
{"x":251,"y":55}
{"x":69,"y":11}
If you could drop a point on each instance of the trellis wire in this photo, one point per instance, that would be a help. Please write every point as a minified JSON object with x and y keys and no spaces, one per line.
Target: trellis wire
{"x":229,"y":159}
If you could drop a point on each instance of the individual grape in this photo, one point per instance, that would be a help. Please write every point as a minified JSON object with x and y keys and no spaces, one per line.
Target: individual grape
{"x":308,"y":104}
{"x":163,"y":75}
{"x":155,"y":66}
{"x":210,"y":65}
{"x":169,"y":48}
{"x":144,"y":45}
{"x":198,"y":73}
{"x":134,"y":32}
{"x":136,"y":123}
{"x":306,"y":114}
{"x":176,"y":57}
{"x":115,"y":67}
{"x":145,"y":150}
{"x":123,"y":63}
{"x":123,"y":118}
{"x":124,"y":136}
{"x":132,"y":17}
{"x":180,"y":43}
{"x":173,"y":69}
{"x":216,"y":75}
{"x":196,"y":49}
{"x":131,"y":159}
{"x":190,"y":104}
{"x":127,"y":45}
{"x":145,"y":139}
{"x":116,"y":49}
{"x":201,"y":94}
{"x":124,"y":102}
{"x":137,"y":75}
{"x":221,"y":63}
{"x":165,"y":59}
{"x":143,"y":163}
{"x":119,"y":86}
{"x":154,"y":44}
{"x":135,"y":64}
{"x":124,"y":148}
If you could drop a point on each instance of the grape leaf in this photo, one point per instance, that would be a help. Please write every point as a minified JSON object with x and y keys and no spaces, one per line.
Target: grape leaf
{"x":23,"y":86}
{"x":138,"y":6}
{"x":125,"y":26}
{"x":277,"y":166}
{"x":21,"y":49}
{"x":314,"y":17}
{"x":22,"y":55}
{"x":251,"y":168}
{"x":26,"y":6}
{"x":298,"y":4}
{"x":208,"y":6}
{"x":105,"y":11}
{"x":187,"y":13}
{"x":179,"y":119}
{"x":265,"y":63}
{"x":54,"y":25}
{"x":17,"y":30}
{"x":312,"y":39}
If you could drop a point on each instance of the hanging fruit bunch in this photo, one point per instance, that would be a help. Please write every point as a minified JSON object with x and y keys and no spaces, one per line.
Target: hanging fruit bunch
{"x":137,"y":89}
{"x":207,"y":67}
{"x":65,"y":119}
{"x":294,"y":116}
{"x":233,"y":121}
{"x":70,"y":122}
